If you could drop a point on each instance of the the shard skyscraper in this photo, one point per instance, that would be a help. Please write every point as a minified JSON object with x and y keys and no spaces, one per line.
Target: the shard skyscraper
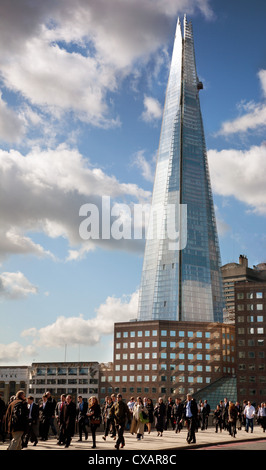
{"x":182,"y":284}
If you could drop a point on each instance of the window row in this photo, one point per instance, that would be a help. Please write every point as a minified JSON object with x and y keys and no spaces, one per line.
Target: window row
{"x":250,"y":331}
{"x":173,"y":333}
{"x":165,"y":355}
{"x":180,"y":367}
{"x":250,"y":318}
{"x":163,"y":344}
{"x":250,"y":295}
{"x":249,"y":307}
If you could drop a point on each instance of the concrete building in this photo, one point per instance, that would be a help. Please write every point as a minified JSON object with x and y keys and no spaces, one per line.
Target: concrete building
{"x":12,"y":379}
{"x":74,"y":378}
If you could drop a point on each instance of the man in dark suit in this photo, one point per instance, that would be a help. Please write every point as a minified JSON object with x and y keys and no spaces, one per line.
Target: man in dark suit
{"x":60,"y":416}
{"x":70,"y":419}
{"x":190,"y":415}
{"x":33,"y":422}
{"x":205,"y":415}
{"x":82,"y":417}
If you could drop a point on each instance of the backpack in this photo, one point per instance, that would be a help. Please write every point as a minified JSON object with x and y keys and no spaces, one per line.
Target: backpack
{"x":17,"y":417}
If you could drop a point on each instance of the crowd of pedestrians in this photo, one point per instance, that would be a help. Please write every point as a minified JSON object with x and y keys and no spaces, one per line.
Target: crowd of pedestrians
{"x":24,"y":421}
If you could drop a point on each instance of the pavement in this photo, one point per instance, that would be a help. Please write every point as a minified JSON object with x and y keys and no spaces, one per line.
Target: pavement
{"x":169,"y":442}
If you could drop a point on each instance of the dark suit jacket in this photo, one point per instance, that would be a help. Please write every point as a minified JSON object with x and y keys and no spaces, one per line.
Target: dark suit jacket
{"x":34,"y":413}
{"x":82,"y":410}
{"x":193,"y":408}
{"x":70,"y":417}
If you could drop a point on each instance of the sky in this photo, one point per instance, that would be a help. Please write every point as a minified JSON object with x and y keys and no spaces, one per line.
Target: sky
{"x":82,"y":88}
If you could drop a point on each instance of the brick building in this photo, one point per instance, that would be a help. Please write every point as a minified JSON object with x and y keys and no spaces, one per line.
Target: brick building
{"x":163,"y":358}
{"x":250,"y":304}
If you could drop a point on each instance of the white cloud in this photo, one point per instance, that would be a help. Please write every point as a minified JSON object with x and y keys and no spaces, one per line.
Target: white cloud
{"x":13,"y":352}
{"x":64,"y":56}
{"x":254,"y":117}
{"x":146,"y":167}
{"x":152,"y":109}
{"x":43,"y":191}
{"x":12,"y":126}
{"x":15,"y":286}
{"x":78,"y":330}
{"x":240,"y":174}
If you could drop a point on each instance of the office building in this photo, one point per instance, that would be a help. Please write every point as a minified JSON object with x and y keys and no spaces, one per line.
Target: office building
{"x":181,"y":277}
{"x":250,"y":304}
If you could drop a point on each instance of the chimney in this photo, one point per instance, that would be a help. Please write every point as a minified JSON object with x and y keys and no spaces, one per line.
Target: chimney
{"x":243,"y":261}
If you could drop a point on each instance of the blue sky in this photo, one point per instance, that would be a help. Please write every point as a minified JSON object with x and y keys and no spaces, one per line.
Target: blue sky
{"x":82,"y":91}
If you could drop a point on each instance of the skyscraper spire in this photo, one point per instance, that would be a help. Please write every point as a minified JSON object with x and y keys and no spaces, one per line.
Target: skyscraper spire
{"x":184,"y":283}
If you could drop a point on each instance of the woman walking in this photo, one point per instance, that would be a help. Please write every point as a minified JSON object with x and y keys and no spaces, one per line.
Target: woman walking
{"x":159,"y":413}
{"x":150,"y":408}
{"x":140,"y":416}
{"x":106,"y":416}
{"x":232,"y":417}
{"x":94,"y":413}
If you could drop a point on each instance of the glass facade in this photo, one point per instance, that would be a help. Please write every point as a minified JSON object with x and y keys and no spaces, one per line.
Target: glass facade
{"x":182,"y":281}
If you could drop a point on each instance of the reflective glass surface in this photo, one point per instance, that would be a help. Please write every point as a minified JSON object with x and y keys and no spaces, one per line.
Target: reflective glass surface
{"x":182,"y":284}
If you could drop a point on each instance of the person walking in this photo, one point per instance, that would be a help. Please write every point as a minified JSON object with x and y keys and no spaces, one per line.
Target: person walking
{"x":225,"y":405}
{"x":112,"y":424}
{"x":217,"y":418}
{"x":160,"y":415}
{"x":130,"y":405}
{"x":169,"y":419}
{"x":60,"y":416}
{"x":119,"y":413}
{"x":262,"y":416}
{"x":106,"y":416}
{"x":70,"y":420}
{"x":177,"y":413}
{"x":205,"y":415}
{"x":82,"y":417}
{"x":51,"y":404}
{"x":2,"y":415}
{"x":45,"y":416}
{"x":94,"y":414}
{"x":150,"y":409}
{"x":16,"y":420}
{"x":239,"y":415}
{"x":140,"y":415}
{"x":232,"y":417}
{"x":33,"y":422}
{"x":249,"y":413}
{"x":190,"y":415}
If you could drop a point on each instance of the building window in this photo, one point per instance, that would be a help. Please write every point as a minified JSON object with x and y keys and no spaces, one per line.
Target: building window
{"x":172,"y":333}
{"x":259,"y":306}
{"x":132,"y":334}
{"x":125,"y":334}
{"x":163,"y":333}
{"x":118,"y":334}
{"x":259,"y":295}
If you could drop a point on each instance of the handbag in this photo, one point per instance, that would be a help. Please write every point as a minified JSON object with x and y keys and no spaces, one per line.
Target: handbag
{"x":144,"y":418}
{"x":95,"y":421}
